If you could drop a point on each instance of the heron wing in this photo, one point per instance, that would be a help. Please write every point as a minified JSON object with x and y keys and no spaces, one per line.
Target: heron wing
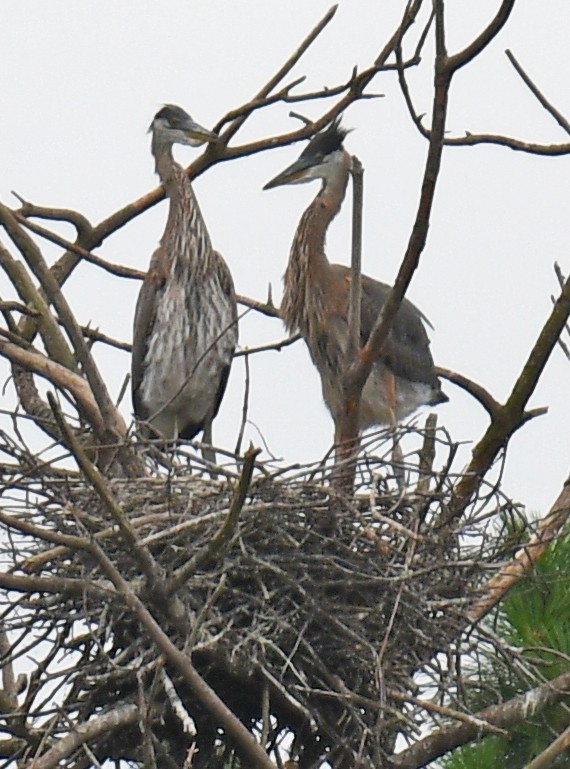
{"x":145,"y":314}
{"x":406,"y":350}
{"x":231,"y":335}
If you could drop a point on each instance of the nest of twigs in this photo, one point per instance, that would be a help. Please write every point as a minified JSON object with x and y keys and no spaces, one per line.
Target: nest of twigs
{"x":311,"y":620}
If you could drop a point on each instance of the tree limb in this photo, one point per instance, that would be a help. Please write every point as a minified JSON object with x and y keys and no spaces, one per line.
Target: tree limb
{"x":226,"y":530}
{"x":507,"y":714}
{"x":524,"y":561}
{"x":118,"y":718}
{"x":512,"y":415}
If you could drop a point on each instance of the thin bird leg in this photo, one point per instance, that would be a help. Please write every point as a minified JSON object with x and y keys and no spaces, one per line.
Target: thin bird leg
{"x":207,"y":451}
{"x":397,"y":456}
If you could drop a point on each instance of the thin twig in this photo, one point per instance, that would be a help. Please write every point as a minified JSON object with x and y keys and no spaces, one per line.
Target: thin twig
{"x":226,"y":530}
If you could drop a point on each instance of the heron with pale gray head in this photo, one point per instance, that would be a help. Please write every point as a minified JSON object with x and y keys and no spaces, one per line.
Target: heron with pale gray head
{"x":185,"y":327}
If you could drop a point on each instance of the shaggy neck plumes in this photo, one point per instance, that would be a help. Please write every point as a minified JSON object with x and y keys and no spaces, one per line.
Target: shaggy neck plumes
{"x":185,"y":233}
{"x":308,"y":263}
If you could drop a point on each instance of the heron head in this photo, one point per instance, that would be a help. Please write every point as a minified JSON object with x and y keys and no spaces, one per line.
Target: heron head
{"x":320,"y":159}
{"x":172,"y":125}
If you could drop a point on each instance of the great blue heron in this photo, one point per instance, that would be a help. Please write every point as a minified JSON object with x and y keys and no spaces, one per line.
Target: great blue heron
{"x":185,"y":328}
{"x":315,"y":301}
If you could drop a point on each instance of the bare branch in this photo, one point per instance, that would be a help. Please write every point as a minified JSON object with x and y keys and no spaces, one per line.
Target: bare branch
{"x":243,"y":738}
{"x":482,"y":41}
{"x":279,"y":75}
{"x":525,"y":560}
{"x":114,"y":269}
{"x":277,"y":346}
{"x":263,"y":307}
{"x":226,"y":530}
{"x":512,"y":415}
{"x":558,"y":116}
{"x":79,"y":221}
{"x":111,"y":416}
{"x":59,"y":376}
{"x":118,"y":718}
{"x":40,"y":318}
{"x":508,"y":714}
{"x":484,"y":397}
{"x":147,"y":563}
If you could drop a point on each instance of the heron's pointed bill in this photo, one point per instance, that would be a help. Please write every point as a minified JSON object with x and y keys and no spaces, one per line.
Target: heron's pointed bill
{"x":297,"y":173}
{"x":196,"y":133}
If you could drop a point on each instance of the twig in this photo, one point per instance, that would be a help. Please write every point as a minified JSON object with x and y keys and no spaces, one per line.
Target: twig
{"x":263,"y":307}
{"x":484,"y":397}
{"x":526,"y":558}
{"x":558,"y":116}
{"x":79,"y":221}
{"x":463,"y":57}
{"x":505,"y":715}
{"x":274,"y":346}
{"x":280,"y":74}
{"x":119,"y":718}
{"x":245,"y":407}
{"x":114,"y":269}
{"x":41,"y":318}
{"x":226,"y":530}
{"x":512,"y":415}
{"x":149,"y":567}
{"x":244,"y":740}
{"x":457,"y":715}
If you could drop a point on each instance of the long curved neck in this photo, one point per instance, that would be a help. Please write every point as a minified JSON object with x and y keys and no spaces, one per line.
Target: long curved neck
{"x":185,"y":236}
{"x":308,"y":265}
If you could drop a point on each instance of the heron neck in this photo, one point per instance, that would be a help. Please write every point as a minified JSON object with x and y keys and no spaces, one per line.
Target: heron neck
{"x":308,"y":268}
{"x":185,"y":234}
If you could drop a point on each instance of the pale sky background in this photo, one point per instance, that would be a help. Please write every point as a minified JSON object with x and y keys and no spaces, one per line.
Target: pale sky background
{"x":80,"y":82}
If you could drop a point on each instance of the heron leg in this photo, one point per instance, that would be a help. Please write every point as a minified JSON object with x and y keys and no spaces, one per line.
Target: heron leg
{"x":207,"y":451}
{"x":397,"y":456}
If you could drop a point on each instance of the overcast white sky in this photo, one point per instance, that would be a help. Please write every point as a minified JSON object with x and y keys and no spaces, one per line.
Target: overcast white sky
{"x":80,"y":82}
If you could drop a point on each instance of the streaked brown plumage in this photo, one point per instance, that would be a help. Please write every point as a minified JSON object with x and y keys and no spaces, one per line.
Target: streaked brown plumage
{"x":315,"y":302}
{"x":185,"y":328}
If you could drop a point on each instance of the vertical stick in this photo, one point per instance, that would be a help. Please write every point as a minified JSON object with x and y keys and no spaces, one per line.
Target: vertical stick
{"x":355,"y":296}
{"x":346,"y":433}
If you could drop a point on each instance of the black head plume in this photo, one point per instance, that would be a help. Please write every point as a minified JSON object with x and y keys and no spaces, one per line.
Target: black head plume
{"x":326,"y":141}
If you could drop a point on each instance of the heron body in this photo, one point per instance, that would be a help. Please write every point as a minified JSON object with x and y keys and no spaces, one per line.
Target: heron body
{"x":316,"y":295}
{"x":185,"y":329}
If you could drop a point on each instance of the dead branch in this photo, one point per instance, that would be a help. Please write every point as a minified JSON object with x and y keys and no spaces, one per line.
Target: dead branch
{"x":118,"y":718}
{"x":41,"y":317}
{"x":147,"y":563}
{"x":512,"y":415}
{"x":59,"y":376}
{"x":508,"y":714}
{"x":484,"y":397}
{"x":226,"y":530}
{"x":525,"y":560}
{"x":478,"y":45}
{"x":274,"y":346}
{"x":548,"y":106}
{"x":359,"y":372}
{"x":118,"y":270}
{"x":247,"y":745}
{"x":82,"y":225}
{"x":278,"y":77}
{"x":113,"y":420}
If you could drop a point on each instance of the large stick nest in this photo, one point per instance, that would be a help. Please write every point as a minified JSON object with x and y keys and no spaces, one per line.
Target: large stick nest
{"x":313,"y":619}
